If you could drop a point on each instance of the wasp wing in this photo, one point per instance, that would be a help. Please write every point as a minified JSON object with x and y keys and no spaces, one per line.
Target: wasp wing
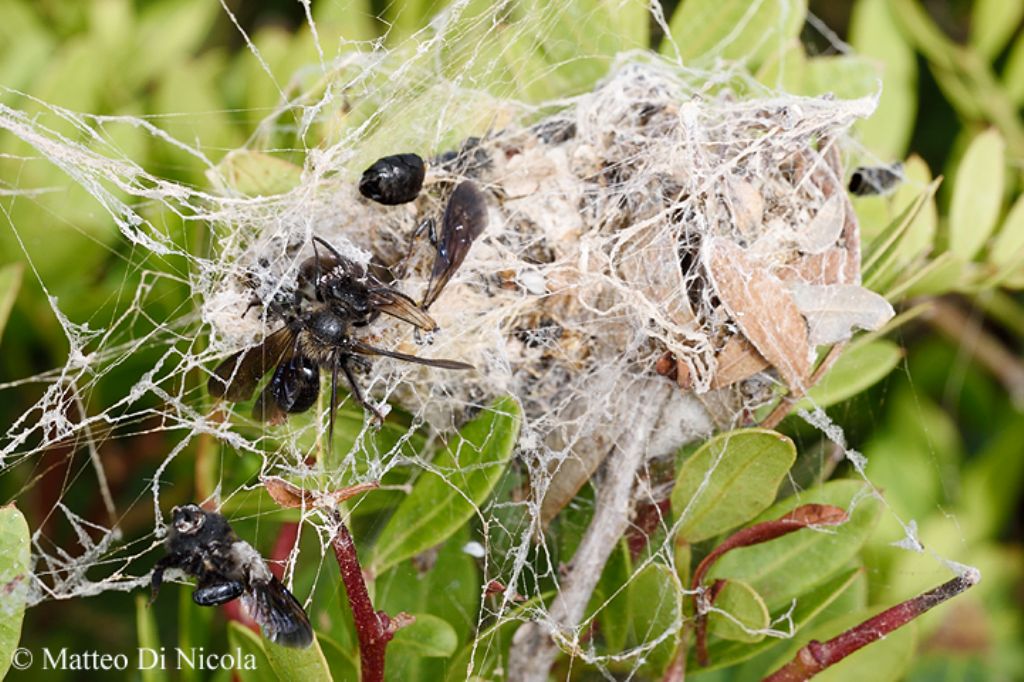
{"x":464,"y":220}
{"x":235,"y":379}
{"x":365,"y":349}
{"x":396,"y":304}
{"x":279,"y":614}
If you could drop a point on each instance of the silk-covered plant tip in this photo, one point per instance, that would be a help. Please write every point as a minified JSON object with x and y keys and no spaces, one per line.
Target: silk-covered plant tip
{"x":592,"y":340}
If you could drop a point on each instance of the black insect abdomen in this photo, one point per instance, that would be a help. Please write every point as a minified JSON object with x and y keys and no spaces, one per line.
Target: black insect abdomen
{"x":393,"y":179}
{"x":295,"y":384}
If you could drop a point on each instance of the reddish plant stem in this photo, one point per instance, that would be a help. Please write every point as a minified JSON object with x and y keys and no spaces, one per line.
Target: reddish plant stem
{"x":373,"y":628}
{"x":801,"y":517}
{"x":816,"y":656}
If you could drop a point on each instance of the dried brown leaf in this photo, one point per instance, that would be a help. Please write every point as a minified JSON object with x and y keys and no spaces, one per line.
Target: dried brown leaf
{"x":737,"y":361}
{"x":763,"y":308}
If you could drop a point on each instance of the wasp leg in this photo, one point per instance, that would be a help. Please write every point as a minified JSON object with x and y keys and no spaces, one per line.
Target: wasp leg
{"x":169,"y":561}
{"x":356,"y":393}
{"x":216,"y":594}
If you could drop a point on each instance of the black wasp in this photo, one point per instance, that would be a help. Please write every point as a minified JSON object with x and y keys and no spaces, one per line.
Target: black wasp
{"x":345,"y":296}
{"x":202,"y":544}
{"x":871,"y":180}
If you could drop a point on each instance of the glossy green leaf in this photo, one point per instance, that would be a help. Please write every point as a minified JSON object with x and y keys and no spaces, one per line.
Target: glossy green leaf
{"x":977,"y":195}
{"x":785,"y":568}
{"x":875,"y":35}
{"x":729,"y":480}
{"x":860,"y":367}
{"x":298,"y":665}
{"x":724,"y":653}
{"x":705,"y":30}
{"x":611,"y":598}
{"x":244,"y":639}
{"x":14,"y":581}
{"x":343,"y":661}
{"x":484,"y":658}
{"x":10,"y":283}
{"x":647,"y":608}
{"x":149,"y":641}
{"x":993,"y":23}
{"x":449,"y":589}
{"x":429,"y":636}
{"x":459,"y":480}
{"x":257,"y":174}
{"x":745,"y":615}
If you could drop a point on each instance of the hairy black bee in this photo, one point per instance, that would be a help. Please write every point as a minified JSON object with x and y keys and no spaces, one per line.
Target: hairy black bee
{"x":870,"y":180}
{"x":393,"y":179}
{"x":346,"y":297}
{"x":202,"y":544}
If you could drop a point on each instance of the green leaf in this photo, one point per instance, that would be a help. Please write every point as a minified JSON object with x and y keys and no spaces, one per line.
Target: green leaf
{"x":729,"y":480}
{"x":858,"y":368}
{"x":344,"y":662}
{"x":993,"y":23}
{"x":725,"y":653}
{"x":429,"y":636}
{"x":1013,"y":74}
{"x":450,"y":589}
{"x":168,"y":31}
{"x":894,"y":246}
{"x":845,"y":76}
{"x":747,"y":614}
{"x":750,"y":30}
{"x":149,"y":639}
{"x":647,"y":608}
{"x":875,"y":35}
{"x":298,"y":665}
{"x":485,"y":656}
{"x":10,"y":282}
{"x":1007,"y":250}
{"x":977,"y":195}
{"x":14,"y":581}
{"x":194,"y":630}
{"x":257,"y":174}
{"x":787,"y":567}
{"x":940,"y":275}
{"x":343,"y":20}
{"x":611,"y":598}
{"x":241,"y":637}
{"x":458,"y":481}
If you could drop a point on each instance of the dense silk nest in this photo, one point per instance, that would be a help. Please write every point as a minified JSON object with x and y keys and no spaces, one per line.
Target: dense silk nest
{"x":645,"y":228}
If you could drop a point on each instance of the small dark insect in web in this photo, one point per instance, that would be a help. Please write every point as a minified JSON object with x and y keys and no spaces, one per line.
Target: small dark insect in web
{"x":202,"y":544}
{"x":320,"y":333}
{"x":874,"y":180}
{"x":394,"y":179}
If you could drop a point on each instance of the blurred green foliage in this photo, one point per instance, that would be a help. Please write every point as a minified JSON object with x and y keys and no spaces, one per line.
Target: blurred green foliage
{"x":942,"y":433}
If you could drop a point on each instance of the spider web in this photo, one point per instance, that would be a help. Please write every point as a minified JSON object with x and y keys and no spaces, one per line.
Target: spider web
{"x":607,"y":207}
